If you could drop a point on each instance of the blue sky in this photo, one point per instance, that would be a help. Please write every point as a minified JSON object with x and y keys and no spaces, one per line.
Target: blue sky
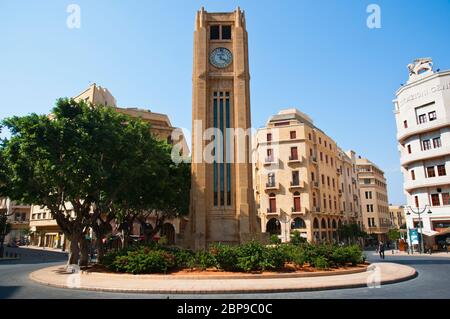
{"x":317,"y":56}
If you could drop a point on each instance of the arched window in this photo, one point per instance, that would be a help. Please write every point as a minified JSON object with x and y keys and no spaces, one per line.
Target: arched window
{"x":298,"y":223}
{"x":323,"y":223}
{"x":316,"y":223}
{"x":314,"y":199}
{"x":273,"y":227}
{"x":334,"y":223}
{"x":340,"y":223}
{"x":272,"y":203}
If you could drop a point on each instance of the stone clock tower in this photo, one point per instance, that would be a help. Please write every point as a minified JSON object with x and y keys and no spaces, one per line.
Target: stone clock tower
{"x":222,"y":203}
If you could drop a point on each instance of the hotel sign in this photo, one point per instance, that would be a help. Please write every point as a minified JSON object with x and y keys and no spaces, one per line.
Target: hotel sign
{"x":433,"y":90}
{"x":414,"y":236}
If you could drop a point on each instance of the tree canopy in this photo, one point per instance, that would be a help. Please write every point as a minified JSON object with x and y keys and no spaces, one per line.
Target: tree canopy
{"x":84,"y":162}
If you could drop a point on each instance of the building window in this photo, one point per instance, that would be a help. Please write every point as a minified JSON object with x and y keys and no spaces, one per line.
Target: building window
{"x":271,"y":180}
{"x":297,"y":204}
{"x":293,"y":134}
{"x":422,"y":118}
{"x":269,"y":137}
{"x":432,"y":116}
{"x":272,"y":203}
{"x":294,"y":154}
{"x":416,"y":200}
{"x":332,"y":163}
{"x":409,"y":148}
{"x":413,"y":175}
{"x":321,"y":156}
{"x":309,"y":136}
{"x":426,"y":145}
{"x":437,"y":142}
{"x":430,"y":171}
{"x":441,"y":170}
{"x":326,"y":158}
{"x":214,"y":32}
{"x":320,"y":140}
{"x":295,"y":178}
{"x":324,"y":202}
{"x":325,"y":143}
{"x":435,"y":200}
{"x":312,"y":176}
{"x":323,"y":179}
{"x":445,"y":199}
{"x":226,"y":32}
{"x":314,"y":199}
{"x":328,"y":181}
{"x":405,"y":124}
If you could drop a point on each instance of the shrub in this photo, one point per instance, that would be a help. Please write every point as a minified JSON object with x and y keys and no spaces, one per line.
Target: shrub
{"x":226,"y":257}
{"x":320,"y":262}
{"x":274,"y":240}
{"x":205,"y":259}
{"x":293,"y":254}
{"x":355,"y":255}
{"x":275,"y":258}
{"x":296,"y":238}
{"x":144,"y":260}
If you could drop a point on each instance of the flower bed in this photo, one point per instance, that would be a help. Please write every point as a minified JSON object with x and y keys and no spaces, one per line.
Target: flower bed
{"x":250,"y":257}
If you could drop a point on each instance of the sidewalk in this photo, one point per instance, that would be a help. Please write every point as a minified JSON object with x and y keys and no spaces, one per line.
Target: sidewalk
{"x":58,"y":250}
{"x":376,"y":275}
{"x":388,"y":253}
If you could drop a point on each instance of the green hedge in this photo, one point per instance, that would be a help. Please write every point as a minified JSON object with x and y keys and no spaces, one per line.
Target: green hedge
{"x":249,"y":257}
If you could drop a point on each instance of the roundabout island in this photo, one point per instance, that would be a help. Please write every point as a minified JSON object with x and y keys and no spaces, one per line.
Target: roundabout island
{"x":373,"y":275}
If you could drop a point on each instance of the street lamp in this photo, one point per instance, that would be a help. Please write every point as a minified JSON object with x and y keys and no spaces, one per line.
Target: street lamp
{"x":285,"y":219}
{"x":419,"y":213}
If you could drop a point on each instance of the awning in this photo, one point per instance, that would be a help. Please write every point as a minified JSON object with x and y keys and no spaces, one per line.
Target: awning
{"x":429,"y":233}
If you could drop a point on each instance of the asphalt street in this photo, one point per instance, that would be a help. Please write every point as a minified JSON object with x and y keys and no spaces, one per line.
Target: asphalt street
{"x":433,"y":281}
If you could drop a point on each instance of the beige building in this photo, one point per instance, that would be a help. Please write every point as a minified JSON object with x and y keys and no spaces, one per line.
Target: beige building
{"x":18,"y":216}
{"x":222,"y":202}
{"x":397,"y":216}
{"x":304,"y":182}
{"x":374,"y":199}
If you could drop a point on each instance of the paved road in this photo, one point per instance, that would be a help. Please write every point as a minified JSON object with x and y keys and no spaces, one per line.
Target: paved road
{"x":433,"y":281}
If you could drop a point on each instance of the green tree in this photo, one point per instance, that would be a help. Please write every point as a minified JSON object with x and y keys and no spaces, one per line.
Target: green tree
{"x":393,"y":234}
{"x":76,"y":163}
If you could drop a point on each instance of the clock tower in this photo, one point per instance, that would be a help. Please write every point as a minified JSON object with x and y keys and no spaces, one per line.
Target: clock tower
{"x":222,"y":205}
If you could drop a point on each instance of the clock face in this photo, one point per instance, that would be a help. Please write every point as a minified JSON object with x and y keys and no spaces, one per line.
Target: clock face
{"x":220,"y":57}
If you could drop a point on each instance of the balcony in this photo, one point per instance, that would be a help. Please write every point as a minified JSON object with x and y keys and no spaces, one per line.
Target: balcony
{"x":316,"y":184}
{"x":294,"y":160}
{"x":338,"y":171}
{"x":420,"y":129}
{"x":301,"y":211}
{"x":297,"y":185}
{"x":272,"y":186}
{"x":426,"y":154}
{"x":316,"y":209}
{"x":427,"y":182}
{"x":270,"y":160}
{"x":340,"y":192}
{"x":313,"y":159}
{"x":272,"y":212}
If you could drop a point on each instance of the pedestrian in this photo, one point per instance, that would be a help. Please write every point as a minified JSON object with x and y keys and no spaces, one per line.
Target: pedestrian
{"x":381,"y":250}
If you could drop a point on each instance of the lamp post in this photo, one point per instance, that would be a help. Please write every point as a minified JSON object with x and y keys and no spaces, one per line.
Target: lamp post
{"x":285,"y":219}
{"x":419,"y":213}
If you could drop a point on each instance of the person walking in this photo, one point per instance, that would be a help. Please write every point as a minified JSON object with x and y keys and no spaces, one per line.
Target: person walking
{"x":381,"y":250}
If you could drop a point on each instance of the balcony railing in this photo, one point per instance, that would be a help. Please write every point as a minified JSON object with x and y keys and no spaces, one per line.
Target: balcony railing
{"x":270,"y":211}
{"x":272,"y":186}
{"x":294,"y":159}
{"x":269,"y":160}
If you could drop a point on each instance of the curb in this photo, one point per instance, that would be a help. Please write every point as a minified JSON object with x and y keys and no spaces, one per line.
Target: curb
{"x":412,"y":274}
{"x":234,"y":276}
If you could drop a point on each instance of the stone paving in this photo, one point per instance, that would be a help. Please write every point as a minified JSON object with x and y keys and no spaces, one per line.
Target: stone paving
{"x":376,"y":275}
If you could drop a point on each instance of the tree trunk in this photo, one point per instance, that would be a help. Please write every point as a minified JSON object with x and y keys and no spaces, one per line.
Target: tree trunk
{"x":84,"y":250}
{"x":74,"y":251}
